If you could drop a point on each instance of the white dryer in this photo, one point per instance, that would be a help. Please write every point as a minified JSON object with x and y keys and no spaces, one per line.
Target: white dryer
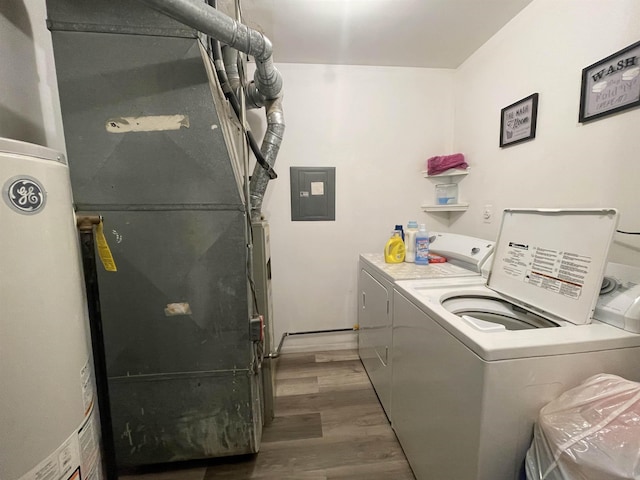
{"x":487,"y":358}
{"x":467,"y":259}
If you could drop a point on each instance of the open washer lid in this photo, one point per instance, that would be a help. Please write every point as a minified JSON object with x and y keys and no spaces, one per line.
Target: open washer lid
{"x":553,"y":261}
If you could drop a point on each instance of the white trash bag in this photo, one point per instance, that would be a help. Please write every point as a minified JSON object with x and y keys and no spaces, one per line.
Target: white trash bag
{"x":591,"y":432}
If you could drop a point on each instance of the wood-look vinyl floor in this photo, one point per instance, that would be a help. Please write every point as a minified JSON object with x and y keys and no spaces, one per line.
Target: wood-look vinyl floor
{"x":329,"y":425}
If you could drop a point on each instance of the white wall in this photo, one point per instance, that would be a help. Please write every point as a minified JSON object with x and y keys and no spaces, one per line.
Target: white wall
{"x":377,"y":126}
{"x":29,"y":104}
{"x":544,"y":50}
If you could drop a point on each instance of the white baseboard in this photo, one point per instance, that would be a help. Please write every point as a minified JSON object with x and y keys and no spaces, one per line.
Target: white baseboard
{"x":318,"y":342}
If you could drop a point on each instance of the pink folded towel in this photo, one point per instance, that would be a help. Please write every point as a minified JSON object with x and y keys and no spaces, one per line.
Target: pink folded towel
{"x":436,"y":165}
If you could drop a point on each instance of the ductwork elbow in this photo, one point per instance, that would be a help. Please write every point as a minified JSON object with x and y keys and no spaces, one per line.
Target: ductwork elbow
{"x":216,"y":24}
{"x":267,"y":77}
{"x":269,"y":148}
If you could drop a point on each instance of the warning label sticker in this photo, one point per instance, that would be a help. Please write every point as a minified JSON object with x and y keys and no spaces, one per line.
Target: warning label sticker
{"x":560,"y":272}
{"x":78,"y":458}
{"x":60,"y":465}
{"x":516,"y":260}
{"x":88,"y":387}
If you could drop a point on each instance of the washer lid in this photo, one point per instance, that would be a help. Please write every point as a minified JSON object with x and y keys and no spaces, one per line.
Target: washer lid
{"x":552,"y":261}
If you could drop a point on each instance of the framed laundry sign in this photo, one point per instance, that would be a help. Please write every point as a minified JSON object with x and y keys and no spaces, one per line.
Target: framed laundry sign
{"x":611,"y":85}
{"x":518,"y":121}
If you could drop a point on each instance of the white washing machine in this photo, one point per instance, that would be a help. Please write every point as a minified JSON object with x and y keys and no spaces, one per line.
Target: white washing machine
{"x":487,"y":358}
{"x":467,"y":257}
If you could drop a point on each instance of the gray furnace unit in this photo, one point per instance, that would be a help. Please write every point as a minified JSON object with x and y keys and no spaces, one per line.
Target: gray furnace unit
{"x":153,"y":147}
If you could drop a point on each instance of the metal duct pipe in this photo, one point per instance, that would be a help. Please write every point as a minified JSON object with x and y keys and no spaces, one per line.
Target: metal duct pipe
{"x":270,"y":147}
{"x":230,"y":60}
{"x":265,"y":90}
{"x":231,"y":96}
{"x":254,"y":98}
{"x":216,"y":24}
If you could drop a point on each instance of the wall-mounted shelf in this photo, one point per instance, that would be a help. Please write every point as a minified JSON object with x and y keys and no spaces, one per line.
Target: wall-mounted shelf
{"x":456,"y":207}
{"x":452,"y":172}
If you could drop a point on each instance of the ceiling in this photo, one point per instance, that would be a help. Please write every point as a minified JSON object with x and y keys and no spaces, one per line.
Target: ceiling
{"x":410,"y":33}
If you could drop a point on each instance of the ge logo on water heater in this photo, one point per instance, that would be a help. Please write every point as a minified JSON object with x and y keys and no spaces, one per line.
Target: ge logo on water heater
{"x":24,"y":194}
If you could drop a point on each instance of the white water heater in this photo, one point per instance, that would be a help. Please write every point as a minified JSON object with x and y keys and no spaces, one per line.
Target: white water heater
{"x":48,"y":405}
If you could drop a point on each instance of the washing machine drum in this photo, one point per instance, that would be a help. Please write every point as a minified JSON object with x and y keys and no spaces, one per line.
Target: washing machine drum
{"x":497,"y":311}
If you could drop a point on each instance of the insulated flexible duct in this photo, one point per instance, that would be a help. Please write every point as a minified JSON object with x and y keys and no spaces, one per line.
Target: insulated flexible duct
{"x":265,"y":90}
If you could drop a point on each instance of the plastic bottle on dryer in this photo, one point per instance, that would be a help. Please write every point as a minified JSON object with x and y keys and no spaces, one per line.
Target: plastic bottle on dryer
{"x":410,"y":241}
{"x":422,"y":246}
{"x":394,"y":249}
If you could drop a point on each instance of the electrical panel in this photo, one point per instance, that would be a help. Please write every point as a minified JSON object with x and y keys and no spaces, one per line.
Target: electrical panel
{"x":313,"y":193}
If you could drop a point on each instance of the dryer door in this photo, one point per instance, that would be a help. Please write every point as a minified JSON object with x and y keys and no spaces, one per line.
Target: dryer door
{"x":375,"y":335}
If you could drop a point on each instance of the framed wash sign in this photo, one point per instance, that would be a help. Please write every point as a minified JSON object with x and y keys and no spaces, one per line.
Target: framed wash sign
{"x":518,"y":121}
{"x":611,"y":85}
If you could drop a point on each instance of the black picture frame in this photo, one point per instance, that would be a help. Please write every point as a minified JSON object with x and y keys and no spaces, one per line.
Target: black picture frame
{"x":518,"y":121}
{"x":611,"y":85}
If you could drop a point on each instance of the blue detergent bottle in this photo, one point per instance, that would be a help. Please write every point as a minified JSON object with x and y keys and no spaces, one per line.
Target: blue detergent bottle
{"x":422,"y":245}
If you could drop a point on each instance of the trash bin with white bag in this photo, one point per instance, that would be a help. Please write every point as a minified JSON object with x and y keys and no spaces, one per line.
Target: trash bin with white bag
{"x":591,"y":432}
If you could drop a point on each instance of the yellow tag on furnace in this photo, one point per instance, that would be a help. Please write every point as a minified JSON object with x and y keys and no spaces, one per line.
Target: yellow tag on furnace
{"x":103,"y":250}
